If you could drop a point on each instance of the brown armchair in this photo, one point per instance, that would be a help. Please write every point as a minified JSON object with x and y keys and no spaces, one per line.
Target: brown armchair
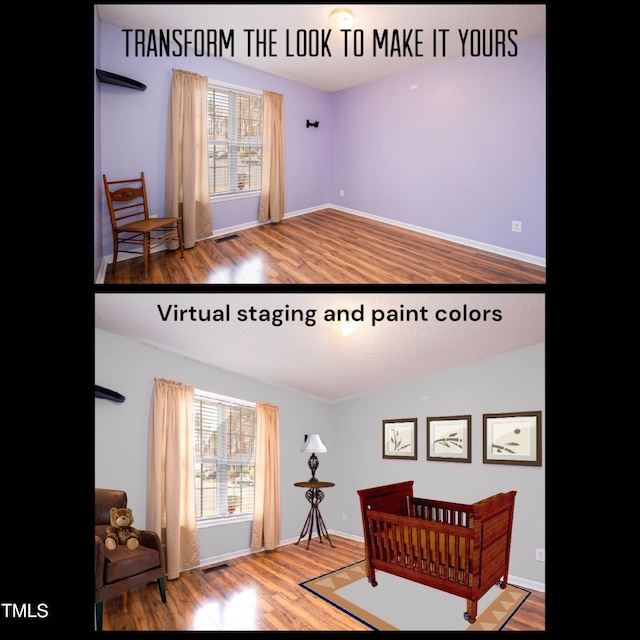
{"x":121,"y":569}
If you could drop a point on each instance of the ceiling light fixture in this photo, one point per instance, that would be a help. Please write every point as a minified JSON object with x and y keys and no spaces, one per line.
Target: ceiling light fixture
{"x":341,"y":18}
{"x":346,"y":321}
{"x":347,"y":327}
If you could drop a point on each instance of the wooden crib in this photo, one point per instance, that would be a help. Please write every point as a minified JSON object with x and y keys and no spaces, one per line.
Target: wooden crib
{"x":462,"y":549}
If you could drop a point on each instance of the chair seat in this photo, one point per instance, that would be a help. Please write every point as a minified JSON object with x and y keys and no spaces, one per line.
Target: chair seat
{"x":122,"y":562}
{"x":143,"y":226}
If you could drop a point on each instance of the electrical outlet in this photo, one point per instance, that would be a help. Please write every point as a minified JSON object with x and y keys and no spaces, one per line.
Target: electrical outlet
{"x":540,"y":555}
{"x":516,"y":226}
{"x":341,"y":193}
{"x":344,"y":516}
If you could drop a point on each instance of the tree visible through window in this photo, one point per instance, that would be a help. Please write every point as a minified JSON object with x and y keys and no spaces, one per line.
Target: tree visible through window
{"x":224,"y":434}
{"x":234,"y":119}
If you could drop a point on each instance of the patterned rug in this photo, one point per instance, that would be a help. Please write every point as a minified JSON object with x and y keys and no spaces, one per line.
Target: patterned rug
{"x":396,"y":604}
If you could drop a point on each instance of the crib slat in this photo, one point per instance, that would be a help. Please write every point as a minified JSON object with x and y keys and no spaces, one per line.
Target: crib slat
{"x":424,"y":550}
{"x":393,"y":545}
{"x":453,"y":558}
{"x":384,"y":540}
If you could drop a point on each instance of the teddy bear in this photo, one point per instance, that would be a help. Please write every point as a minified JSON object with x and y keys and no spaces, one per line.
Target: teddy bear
{"x":120,"y":531}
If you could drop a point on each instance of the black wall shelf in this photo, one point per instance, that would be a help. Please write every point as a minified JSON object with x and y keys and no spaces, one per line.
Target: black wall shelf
{"x":108,"y":394}
{"x":121,"y":81}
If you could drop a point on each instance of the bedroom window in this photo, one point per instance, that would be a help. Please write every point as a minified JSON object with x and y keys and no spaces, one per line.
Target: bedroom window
{"x":234,"y":119}
{"x":224,"y":434}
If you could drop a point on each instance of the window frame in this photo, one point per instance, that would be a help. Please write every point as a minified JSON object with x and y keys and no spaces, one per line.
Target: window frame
{"x":212,"y":142}
{"x":201,"y":395}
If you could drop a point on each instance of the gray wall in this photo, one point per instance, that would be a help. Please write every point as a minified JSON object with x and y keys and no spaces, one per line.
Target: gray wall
{"x":351,"y":429}
{"x":510,"y":382}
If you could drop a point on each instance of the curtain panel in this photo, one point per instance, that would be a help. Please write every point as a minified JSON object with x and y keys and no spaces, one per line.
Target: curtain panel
{"x":187,"y":180}
{"x":266,"y":513}
{"x":171,"y":504}
{"x":272,"y":194}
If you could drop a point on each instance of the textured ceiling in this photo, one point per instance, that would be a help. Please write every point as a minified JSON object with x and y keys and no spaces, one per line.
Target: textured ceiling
{"x":337,"y":71}
{"x":310,"y":354}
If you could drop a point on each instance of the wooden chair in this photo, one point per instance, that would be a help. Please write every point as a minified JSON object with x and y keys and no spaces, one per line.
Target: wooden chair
{"x":132,"y":224}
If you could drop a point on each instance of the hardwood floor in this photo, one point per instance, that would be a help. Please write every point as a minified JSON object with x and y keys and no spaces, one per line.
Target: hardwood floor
{"x":327,"y":247}
{"x":261,"y":592}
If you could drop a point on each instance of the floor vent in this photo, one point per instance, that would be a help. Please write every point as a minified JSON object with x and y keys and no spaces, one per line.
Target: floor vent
{"x":224,"y":565}
{"x":231,"y":237}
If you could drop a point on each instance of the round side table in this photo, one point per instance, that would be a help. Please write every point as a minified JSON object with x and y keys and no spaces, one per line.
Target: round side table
{"x":314,"y":496}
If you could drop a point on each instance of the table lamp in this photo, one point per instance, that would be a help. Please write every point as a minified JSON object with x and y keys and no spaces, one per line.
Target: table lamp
{"x":313,"y":444}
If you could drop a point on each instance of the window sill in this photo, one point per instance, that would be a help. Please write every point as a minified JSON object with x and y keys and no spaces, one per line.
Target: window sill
{"x":253,"y":193}
{"x":205,"y":523}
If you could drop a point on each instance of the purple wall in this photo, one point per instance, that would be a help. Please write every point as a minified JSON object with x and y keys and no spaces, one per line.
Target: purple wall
{"x":463,"y":154}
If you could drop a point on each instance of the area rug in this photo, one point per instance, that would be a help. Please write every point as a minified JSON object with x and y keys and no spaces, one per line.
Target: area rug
{"x":396,"y":604}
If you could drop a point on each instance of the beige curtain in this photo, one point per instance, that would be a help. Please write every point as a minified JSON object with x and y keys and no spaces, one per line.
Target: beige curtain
{"x":171,"y":507}
{"x":187,"y":184}
{"x":266,"y":513}
{"x":272,"y":195}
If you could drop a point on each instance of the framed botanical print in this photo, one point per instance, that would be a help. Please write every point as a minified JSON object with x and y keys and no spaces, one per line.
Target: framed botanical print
{"x":399,"y":438}
{"x":512,"y":438}
{"x":449,"y":438}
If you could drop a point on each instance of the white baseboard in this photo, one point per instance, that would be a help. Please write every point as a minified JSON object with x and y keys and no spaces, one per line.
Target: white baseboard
{"x":526,"y":584}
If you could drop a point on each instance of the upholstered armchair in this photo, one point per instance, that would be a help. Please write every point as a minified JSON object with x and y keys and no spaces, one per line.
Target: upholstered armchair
{"x":121,"y":569}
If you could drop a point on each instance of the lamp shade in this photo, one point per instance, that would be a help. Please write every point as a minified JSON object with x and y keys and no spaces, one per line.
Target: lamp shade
{"x":313,"y":444}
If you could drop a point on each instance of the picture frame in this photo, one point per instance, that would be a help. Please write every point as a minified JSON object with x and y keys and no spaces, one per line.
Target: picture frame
{"x":449,"y":438}
{"x":400,"y":438}
{"x":512,"y":438}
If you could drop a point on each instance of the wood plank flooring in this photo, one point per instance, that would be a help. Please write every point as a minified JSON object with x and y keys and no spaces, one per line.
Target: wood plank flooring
{"x":327,"y":247}
{"x":261,"y":592}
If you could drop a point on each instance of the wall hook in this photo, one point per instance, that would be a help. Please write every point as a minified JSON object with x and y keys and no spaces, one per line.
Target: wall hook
{"x":312,"y":124}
